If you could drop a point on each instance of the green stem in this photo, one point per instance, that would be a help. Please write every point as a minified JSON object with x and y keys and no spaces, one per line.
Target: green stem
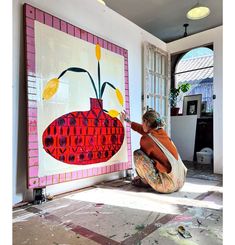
{"x":104,"y":85}
{"x":99,"y":78}
{"x":76,"y":69}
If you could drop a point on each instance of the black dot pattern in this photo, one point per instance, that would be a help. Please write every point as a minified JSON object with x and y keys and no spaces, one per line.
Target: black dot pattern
{"x":85,"y":137}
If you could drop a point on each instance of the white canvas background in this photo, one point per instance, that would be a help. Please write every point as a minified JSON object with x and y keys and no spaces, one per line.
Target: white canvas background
{"x":55,"y":52}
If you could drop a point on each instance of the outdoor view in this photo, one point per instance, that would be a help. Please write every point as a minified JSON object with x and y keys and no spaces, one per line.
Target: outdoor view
{"x":196,"y":68}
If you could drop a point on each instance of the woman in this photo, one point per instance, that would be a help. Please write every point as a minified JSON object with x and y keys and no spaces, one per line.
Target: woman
{"x":157,"y":162}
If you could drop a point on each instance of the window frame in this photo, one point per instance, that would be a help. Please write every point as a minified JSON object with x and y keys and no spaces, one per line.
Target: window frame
{"x":175,"y":59}
{"x":161,"y":74}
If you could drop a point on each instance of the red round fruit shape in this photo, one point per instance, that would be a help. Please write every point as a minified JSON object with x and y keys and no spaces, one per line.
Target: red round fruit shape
{"x":84,"y":137}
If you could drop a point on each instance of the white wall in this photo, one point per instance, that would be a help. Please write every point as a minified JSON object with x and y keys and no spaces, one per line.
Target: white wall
{"x":99,"y":20}
{"x":214,"y":36}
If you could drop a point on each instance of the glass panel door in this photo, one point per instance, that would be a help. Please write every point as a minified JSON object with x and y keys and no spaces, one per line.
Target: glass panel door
{"x":156,"y":81}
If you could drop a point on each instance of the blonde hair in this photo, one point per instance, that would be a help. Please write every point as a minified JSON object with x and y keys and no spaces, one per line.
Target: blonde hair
{"x":153,"y":119}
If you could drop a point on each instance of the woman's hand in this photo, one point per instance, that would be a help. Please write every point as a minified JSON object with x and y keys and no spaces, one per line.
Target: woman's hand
{"x":123,"y":117}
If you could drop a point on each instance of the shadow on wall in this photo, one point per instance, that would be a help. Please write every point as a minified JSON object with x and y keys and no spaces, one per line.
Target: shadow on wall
{"x":21,"y":160}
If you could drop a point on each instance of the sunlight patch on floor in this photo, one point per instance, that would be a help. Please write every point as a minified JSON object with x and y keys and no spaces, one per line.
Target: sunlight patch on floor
{"x":200,"y":188}
{"x":26,"y":216}
{"x":163,"y":203}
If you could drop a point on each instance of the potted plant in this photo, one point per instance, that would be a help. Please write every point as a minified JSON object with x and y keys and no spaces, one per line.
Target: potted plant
{"x":174,"y":93}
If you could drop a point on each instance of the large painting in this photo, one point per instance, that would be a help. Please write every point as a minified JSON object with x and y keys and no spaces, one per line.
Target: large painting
{"x":77,"y":87}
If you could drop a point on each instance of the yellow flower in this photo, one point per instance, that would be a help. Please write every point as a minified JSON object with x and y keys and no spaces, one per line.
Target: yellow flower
{"x":119,"y":96}
{"x":113,"y":113}
{"x":50,"y":89}
{"x":98,"y":51}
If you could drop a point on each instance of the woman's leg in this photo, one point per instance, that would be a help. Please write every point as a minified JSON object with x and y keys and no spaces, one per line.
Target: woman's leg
{"x":139,"y":179}
{"x":139,"y":158}
{"x":145,"y":168}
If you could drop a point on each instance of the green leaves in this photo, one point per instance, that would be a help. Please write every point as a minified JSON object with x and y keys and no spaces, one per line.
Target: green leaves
{"x":175,"y":92}
{"x":80,"y":70}
{"x":185,"y":87}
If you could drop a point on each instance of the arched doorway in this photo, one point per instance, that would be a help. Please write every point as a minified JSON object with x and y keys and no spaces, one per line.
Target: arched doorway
{"x":196,"y":68}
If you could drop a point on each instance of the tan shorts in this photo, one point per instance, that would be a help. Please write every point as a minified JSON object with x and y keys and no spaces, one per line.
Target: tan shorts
{"x":161,"y":182}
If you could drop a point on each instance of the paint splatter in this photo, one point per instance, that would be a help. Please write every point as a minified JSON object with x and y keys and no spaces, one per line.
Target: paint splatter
{"x":140,"y":227}
{"x":176,"y":239}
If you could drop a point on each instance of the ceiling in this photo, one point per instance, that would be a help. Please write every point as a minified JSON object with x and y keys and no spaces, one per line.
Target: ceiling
{"x":165,"y":18}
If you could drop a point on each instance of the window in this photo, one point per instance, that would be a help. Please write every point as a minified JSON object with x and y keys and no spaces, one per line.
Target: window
{"x":196,"y":68}
{"x":156,"y":81}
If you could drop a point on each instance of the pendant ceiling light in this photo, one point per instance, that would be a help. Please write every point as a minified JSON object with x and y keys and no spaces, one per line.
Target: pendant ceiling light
{"x":185,"y":29}
{"x":101,"y":1}
{"x":198,"y":12}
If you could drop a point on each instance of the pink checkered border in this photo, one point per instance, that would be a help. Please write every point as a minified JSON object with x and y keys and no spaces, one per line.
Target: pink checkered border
{"x":30,"y":15}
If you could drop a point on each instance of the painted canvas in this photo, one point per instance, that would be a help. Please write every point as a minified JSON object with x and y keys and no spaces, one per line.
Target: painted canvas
{"x":77,"y":87}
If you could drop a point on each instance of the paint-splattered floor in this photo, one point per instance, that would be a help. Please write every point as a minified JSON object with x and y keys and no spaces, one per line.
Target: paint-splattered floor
{"x":118,"y":213}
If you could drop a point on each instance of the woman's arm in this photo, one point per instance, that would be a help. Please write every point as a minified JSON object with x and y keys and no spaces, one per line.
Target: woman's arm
{"x":138,"y":128}
{"x":135,"y":126}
